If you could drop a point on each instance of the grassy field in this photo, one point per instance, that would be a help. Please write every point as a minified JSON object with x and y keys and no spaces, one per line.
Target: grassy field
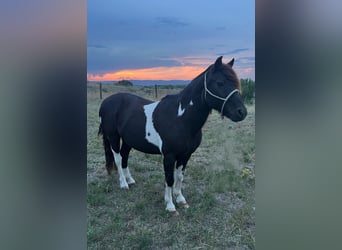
{"x":219,"y":185}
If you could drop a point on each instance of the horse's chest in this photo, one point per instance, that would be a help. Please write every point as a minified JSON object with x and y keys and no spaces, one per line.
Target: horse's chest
{"x":166,"y":131}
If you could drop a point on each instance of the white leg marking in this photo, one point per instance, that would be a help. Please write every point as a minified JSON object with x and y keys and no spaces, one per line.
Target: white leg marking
{"x":151,"y":134}
{"x":168,"y":199}
{"x":191,"y":103}
{"x":122,"y":178}
{"x":180,"y":110}
{"x":128,"y":176}
{"x":177,"y":186}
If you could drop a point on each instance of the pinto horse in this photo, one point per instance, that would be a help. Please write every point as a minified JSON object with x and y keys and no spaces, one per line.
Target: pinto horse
{"x":170,"y":127}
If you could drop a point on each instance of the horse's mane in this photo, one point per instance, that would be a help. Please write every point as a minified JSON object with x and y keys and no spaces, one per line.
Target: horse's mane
{"x":231,"y":75}
{"x":227,"y":70}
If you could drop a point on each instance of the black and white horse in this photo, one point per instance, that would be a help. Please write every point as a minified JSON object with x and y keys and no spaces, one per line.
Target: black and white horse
{"x":170,"y":127}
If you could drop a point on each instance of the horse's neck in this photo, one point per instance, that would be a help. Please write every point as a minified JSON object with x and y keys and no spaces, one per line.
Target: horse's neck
{"x":198,"y":112}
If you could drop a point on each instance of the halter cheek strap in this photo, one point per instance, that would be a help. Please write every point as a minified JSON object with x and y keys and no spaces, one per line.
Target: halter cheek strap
{"x":216,"y":96}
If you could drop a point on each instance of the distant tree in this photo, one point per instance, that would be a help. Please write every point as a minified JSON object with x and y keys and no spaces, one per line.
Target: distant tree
{"x":166,"y":86}
{"x":248,"y":90}
{"x":123,"y":83}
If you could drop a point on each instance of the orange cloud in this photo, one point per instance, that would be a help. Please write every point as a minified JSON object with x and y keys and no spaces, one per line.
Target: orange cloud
{"x":165,"y":73}
{"x":156,"y":73}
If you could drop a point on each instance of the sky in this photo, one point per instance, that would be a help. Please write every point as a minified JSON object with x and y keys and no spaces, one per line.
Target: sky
{"x":168,"y":40}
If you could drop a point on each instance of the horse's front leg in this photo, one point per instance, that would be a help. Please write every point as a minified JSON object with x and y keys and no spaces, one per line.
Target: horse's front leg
{"x":125,"y":149}
{"x":177,"y":187}
{"x":169,"y":165}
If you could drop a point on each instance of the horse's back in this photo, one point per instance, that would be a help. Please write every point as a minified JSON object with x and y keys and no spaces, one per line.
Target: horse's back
{"x":117,"y":101}
{"x":123,"y":114}
{"x":120,"y":103}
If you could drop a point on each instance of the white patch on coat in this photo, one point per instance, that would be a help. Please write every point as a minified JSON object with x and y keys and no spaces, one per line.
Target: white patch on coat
{"x":177,"y":186}
{"x":168,"y":199}
{"x":122,"y":177}
{"x":180,"y":110}
{"x":191,"y":103}
{"x":151,"y":135}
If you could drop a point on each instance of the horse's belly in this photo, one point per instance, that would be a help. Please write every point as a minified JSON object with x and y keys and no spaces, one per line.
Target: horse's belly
{"x":148,"y":149}
{"x":135,"y":136}
{"x":141,"y":144}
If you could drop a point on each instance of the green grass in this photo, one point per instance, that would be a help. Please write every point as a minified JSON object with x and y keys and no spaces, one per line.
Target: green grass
{"x":218,"y":185}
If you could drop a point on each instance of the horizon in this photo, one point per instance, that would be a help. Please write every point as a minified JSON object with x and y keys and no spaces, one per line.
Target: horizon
{"x":152,"y":82}
{"x":156,"y":80}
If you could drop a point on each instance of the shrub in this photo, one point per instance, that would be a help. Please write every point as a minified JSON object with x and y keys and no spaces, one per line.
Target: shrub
{"x":123,"y":83}
{"x":248,"y":90}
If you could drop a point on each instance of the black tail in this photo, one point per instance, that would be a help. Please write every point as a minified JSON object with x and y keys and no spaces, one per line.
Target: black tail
{"x":110,"y":164}
{"x":100,"y":132}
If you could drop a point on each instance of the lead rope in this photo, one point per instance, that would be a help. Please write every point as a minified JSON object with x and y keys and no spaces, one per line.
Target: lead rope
{"x":218,"y":97}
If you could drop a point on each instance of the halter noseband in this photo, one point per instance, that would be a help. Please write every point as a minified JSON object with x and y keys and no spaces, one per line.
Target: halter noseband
{"x":217,"y":97}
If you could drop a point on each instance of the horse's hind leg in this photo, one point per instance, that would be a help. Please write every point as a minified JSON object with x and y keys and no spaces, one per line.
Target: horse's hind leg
{"x":115,"y":146}
{"x":109,"y":156}
{"x":124,"y":151}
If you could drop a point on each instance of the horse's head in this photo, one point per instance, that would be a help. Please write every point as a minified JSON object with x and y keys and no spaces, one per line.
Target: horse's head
{"x":222,"y":90}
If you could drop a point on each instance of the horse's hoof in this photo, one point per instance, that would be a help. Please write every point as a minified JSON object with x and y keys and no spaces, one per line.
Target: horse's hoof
{"x":185,"y":205}
{"x":174,"y":213}
{"x":112,"y":172}
{"x":131,"y":182}
{"x":124,"y":187}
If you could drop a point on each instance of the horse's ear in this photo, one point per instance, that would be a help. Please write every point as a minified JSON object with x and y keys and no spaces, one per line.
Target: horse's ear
{"x":231,"y":63}
{"x":218,"y":62}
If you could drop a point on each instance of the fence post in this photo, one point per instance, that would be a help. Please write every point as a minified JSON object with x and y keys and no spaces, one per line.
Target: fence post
{"x":156,"y":91}
{"x":100,"y":90}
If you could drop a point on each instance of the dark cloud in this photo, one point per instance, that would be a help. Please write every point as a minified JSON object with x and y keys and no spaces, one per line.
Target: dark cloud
{"x":232,"y":52}
{"x":104,"y":63}
{"x":171,"y":21}
{"x":247,"y":58}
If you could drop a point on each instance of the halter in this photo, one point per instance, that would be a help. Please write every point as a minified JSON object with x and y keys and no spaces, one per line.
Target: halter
{"x":217,"y":97}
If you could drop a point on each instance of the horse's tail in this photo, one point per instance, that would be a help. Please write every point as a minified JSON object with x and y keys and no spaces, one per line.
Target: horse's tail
{"x":100,"y":132}
{"x":110,"y":164}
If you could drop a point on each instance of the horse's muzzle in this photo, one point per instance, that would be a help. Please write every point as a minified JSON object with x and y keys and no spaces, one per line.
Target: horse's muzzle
{"x":240,"y":114}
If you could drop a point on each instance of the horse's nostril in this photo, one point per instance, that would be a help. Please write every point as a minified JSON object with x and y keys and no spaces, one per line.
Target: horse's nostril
{"x":242,"y":112}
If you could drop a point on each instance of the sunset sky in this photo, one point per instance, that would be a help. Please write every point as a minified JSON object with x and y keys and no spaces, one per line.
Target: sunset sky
{"x":168,"y":40}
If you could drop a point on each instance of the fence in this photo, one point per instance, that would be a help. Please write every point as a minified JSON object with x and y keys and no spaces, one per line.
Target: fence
{"x":99,"y":90}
